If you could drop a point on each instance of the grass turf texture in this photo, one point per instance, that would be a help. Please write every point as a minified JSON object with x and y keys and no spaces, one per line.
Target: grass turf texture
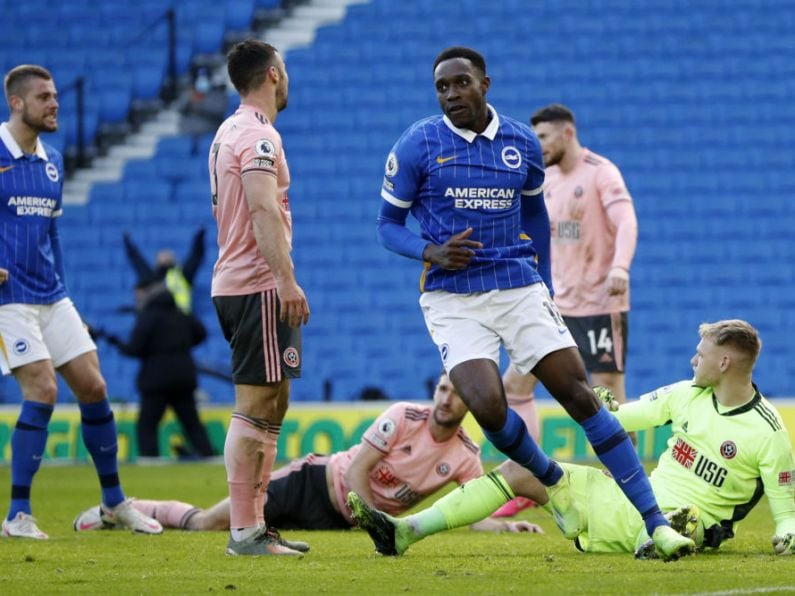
{"x":344,"y":562}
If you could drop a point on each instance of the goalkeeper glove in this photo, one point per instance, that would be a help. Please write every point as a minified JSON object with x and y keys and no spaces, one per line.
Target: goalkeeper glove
{"x":784,"y":545}
{"x":607,"y":397}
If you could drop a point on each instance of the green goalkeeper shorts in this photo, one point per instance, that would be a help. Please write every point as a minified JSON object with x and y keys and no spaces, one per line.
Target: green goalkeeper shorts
{"x":613,"y":525}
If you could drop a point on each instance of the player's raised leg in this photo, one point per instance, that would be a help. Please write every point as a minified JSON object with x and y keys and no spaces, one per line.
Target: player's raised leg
{"x":563,"y":374}
{"x":520,"y":395}
{"x":479,"y":384}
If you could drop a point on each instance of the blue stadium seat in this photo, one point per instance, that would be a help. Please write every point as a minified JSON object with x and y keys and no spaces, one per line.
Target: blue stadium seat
{"x":176,"y":146}
{"x":147,"y":80}
{"x":239,"y":14}
{"x":695,"y":109}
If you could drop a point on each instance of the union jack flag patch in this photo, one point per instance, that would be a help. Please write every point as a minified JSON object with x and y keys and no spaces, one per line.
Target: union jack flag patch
{"x":684,"y":453}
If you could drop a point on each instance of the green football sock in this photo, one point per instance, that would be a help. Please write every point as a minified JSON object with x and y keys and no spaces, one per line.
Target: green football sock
{"x":469,"y":503}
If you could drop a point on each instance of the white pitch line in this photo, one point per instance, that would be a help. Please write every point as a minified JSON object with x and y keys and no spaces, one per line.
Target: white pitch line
{"x":769,"y":590}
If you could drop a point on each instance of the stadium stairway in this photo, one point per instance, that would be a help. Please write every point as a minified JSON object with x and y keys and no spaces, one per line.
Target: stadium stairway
{"x":692,"y":101}
{"x":296,"y":29}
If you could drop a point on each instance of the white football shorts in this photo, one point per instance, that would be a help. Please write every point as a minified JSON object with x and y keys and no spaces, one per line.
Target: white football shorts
{"x":472,"y":326}
{"x":33,"y":332}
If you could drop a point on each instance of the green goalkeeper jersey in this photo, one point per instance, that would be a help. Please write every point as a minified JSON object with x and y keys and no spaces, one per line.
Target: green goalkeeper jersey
{"x":722,"y":460}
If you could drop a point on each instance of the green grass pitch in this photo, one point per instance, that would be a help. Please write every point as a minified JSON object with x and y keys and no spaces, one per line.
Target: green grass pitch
{"x":458,"y":562}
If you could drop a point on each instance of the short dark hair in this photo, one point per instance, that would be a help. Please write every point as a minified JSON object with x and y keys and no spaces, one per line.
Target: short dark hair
{"x":554,"y":112}
{"x":17,"y":77}
{"x":247,"y":62}
{"x":461,"y":52}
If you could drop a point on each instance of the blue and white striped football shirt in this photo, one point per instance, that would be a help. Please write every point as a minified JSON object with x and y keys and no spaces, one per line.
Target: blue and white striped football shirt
{"x":451,"y":179}
{"x":30,"y":200}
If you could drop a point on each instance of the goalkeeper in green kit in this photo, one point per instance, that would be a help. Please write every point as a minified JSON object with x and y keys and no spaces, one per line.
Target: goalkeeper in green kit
{"x":729,"y":447}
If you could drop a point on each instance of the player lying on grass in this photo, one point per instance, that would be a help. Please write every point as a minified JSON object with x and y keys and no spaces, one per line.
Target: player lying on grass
{"x":408,"y":453}
{"x":729,"y":447}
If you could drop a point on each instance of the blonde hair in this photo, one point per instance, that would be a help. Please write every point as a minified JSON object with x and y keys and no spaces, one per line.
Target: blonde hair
{"x":736,"y":334}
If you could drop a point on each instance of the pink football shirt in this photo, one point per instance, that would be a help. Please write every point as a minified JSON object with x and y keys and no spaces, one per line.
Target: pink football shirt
{"x":246,"y":142}
{"x":584,"y":237}
{"x":414,"y":465}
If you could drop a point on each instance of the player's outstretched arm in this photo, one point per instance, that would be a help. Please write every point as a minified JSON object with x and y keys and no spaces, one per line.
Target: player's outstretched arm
{"x":357,"y":476}
{"x":607,"y":397}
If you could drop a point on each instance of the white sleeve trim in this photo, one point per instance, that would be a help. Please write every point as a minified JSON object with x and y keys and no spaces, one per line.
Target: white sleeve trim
{"x":534,"y":192}
{"x":395,"y":201}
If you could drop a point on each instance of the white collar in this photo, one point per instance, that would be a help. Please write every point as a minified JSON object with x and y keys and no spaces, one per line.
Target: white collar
{"x":13,"y":146}
{"x":470,"y":135}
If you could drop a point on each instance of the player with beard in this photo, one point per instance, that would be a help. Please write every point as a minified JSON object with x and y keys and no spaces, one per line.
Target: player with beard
{"x":729,"y":447}
{"x":473,"y":179}
{"x":594,"y":233}
{"x":40,"y":330}
{"x":408,"y":453}
{"x":259,"y":303}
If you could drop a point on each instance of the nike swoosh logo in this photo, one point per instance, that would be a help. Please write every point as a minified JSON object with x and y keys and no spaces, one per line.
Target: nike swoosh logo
{"x":439,"y":159}
{"x":625,"y":480}
{"x":105,"y":449}
{"x":562,"y":331}
{"x":5,"y":169}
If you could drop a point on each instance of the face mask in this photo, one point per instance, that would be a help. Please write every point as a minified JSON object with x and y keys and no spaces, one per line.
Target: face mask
{"x":202,"y":83}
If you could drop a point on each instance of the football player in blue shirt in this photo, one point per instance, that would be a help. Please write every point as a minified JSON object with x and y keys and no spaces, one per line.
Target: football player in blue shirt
{"x":40,"y":329}
{"x":473,"y":180}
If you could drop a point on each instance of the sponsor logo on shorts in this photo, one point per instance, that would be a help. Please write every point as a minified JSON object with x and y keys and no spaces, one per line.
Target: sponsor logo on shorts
{"x":443,"y":469}
{"x":291,"y":357}
{"x":387,"y":427}
{"x":728,"y":449}
{"x":21,"y":347}
{"x":444,"y":350}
